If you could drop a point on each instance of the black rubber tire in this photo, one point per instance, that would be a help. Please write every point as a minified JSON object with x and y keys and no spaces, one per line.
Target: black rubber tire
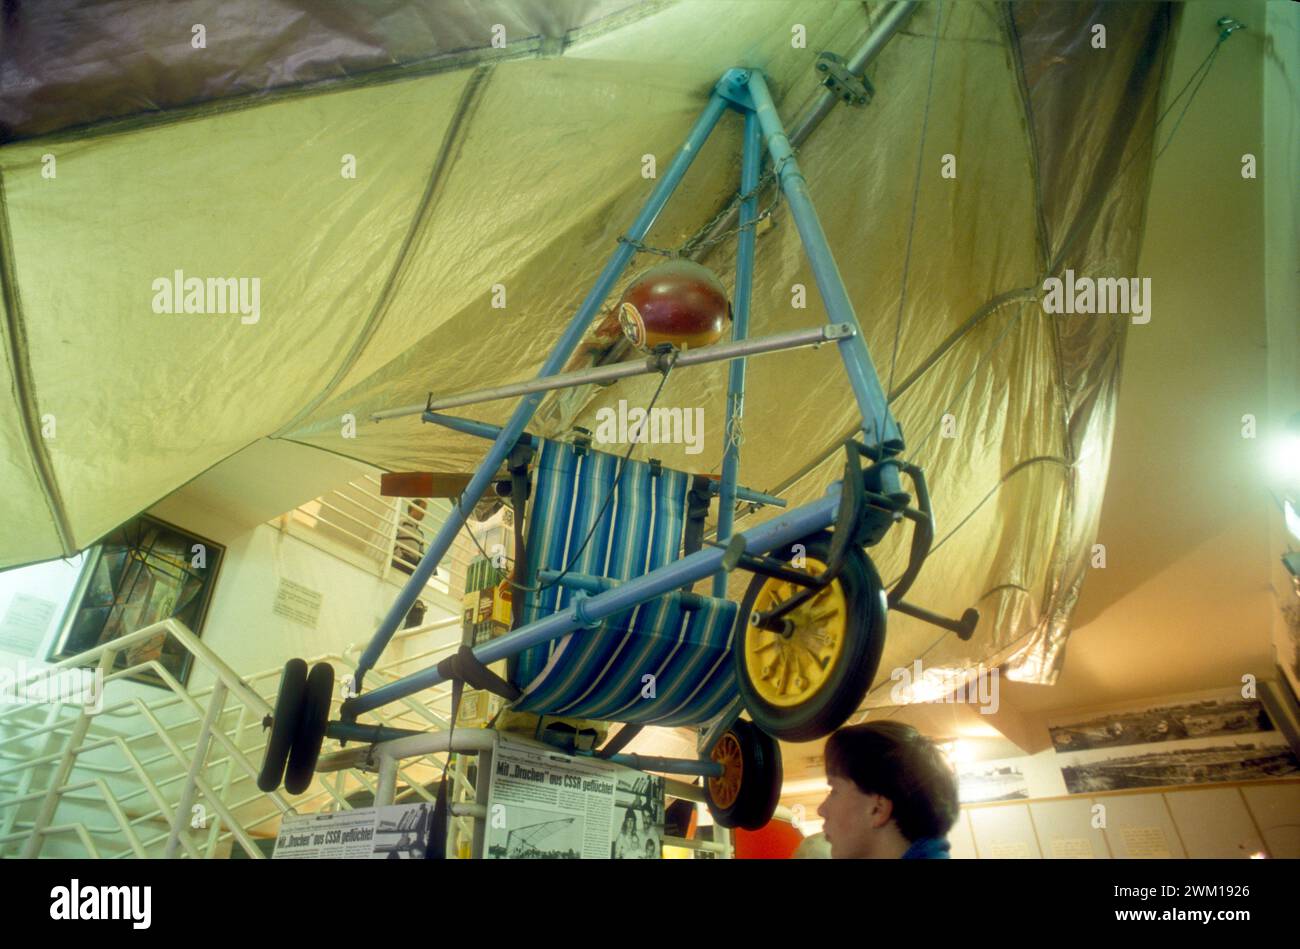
{"x":760,"y":780}
{"x":284,"y":724}
{"x":832,"y":705}
{"x":311,"y":729}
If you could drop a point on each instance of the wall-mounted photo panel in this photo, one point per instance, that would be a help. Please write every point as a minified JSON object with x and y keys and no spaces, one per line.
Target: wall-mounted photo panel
{"x":1203,"y":761}
{"x":981,"y":781}
{"x":961,"y":841}
{"x":1138,"y":827}
{"x":1214,"y":823}
{"x":1276,"y":809}
{"x":1066,"y":832}
{"x":1004,"y":833}
{"x":1223,"y":713}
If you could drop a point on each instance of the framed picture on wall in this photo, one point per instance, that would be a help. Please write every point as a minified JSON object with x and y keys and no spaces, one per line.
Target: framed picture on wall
{"x":144,"y":572}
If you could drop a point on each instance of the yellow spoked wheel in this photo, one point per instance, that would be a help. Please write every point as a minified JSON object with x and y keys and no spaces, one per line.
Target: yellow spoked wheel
{"x":746,"y":794}
{"x":787,"y":668}
{"x":803,"y":674}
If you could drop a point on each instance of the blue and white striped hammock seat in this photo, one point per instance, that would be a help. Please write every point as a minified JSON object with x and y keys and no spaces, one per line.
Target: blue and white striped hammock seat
{"x":682,"y":639}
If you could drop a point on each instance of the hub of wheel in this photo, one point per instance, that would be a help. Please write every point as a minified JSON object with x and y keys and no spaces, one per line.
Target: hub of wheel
{"x":789,"y":666}
{"x":727,"y":753}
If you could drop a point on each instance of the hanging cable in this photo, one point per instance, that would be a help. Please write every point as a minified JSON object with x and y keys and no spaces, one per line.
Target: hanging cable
{"x":609,"y":497}
{"x":916,"y":193}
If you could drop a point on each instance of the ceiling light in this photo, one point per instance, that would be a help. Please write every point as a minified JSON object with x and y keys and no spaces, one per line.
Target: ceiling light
{"x":1284,"y":453}
{"x":958,"y":751}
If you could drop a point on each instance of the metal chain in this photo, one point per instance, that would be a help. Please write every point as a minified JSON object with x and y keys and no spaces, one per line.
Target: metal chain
{"x":737,"y":435}
{"x":696,"y":241}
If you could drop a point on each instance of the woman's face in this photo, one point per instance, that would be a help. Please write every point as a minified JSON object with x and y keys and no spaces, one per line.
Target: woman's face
{"x":847,"y":814}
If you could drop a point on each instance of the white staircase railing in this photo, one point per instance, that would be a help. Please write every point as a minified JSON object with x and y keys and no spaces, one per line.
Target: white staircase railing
{"x":174,"y":774}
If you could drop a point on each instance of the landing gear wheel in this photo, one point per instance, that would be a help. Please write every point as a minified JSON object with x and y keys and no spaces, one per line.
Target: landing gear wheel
{"x":746,"y":795}
{"x":284,"y":724}
{"x":310,"y":735}
{"x":805,"y":682}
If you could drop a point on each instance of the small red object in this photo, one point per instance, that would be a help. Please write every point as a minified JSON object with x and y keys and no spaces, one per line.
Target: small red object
{"x":775,"y":840}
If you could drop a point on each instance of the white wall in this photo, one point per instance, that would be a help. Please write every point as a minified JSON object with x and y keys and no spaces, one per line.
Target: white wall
{"x":1208,"y":822}
{"x":240,"y":628}
{"x":240,"y":625}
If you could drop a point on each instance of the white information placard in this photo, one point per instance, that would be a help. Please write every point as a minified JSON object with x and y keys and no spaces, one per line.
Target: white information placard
{"x":298,"y":603}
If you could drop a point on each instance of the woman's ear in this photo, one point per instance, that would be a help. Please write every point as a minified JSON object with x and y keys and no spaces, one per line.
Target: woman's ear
{"x":882,"y":811}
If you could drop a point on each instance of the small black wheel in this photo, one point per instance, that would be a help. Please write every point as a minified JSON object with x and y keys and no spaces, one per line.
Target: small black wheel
{"x":804,"y":682}
{"x":747,"y":793}
{"x":284,"y":724}
{"x":310,"y":736}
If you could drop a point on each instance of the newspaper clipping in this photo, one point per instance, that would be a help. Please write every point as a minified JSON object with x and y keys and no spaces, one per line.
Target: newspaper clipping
{"x":547,"y":805}
{"x":398,"y":832}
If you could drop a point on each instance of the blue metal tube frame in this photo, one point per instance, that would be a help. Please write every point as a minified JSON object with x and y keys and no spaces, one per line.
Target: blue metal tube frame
{"x":523,"y":412}
{"x":750,"y":163}
{"x":470,"y":427}
{"x":745,"y":90}
{"x":589,"y":611}
{"x":487,"y":430}
{"x":589,"y":584}
{"x":879,"y":427}
{"x":749,"y":494}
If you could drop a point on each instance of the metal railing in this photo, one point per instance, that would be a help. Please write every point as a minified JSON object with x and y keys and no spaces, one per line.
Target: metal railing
{"x":141,"y":774}
{"x":377,"y":530}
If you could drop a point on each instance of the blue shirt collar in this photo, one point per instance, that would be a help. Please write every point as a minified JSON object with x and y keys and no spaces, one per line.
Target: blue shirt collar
{"x":928,"y":848}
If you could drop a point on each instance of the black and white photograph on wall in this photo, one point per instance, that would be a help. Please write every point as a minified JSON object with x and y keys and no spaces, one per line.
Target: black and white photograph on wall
{"x":1194,"y":761}
{"x":1223,"y":713}
{"x":981,"y":781}
{"x":402,"y":833}
{"x":639,"y":817}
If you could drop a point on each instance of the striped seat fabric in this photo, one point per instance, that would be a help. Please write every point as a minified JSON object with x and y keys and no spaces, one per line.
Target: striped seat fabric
{"x":684,"y":641}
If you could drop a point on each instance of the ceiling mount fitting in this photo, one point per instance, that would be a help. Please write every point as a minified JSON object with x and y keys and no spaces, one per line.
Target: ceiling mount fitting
{"x":1229,"y":26}
{"x":840,"y":79}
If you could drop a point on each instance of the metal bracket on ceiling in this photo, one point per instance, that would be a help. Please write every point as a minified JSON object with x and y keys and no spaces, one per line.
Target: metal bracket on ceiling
{"x":1229,"y":26}
{"x":840,"y":79}
{"x":734,"y":87}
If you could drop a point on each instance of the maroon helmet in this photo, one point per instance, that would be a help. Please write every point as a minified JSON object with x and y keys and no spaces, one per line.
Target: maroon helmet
{"x":678,"y":302}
